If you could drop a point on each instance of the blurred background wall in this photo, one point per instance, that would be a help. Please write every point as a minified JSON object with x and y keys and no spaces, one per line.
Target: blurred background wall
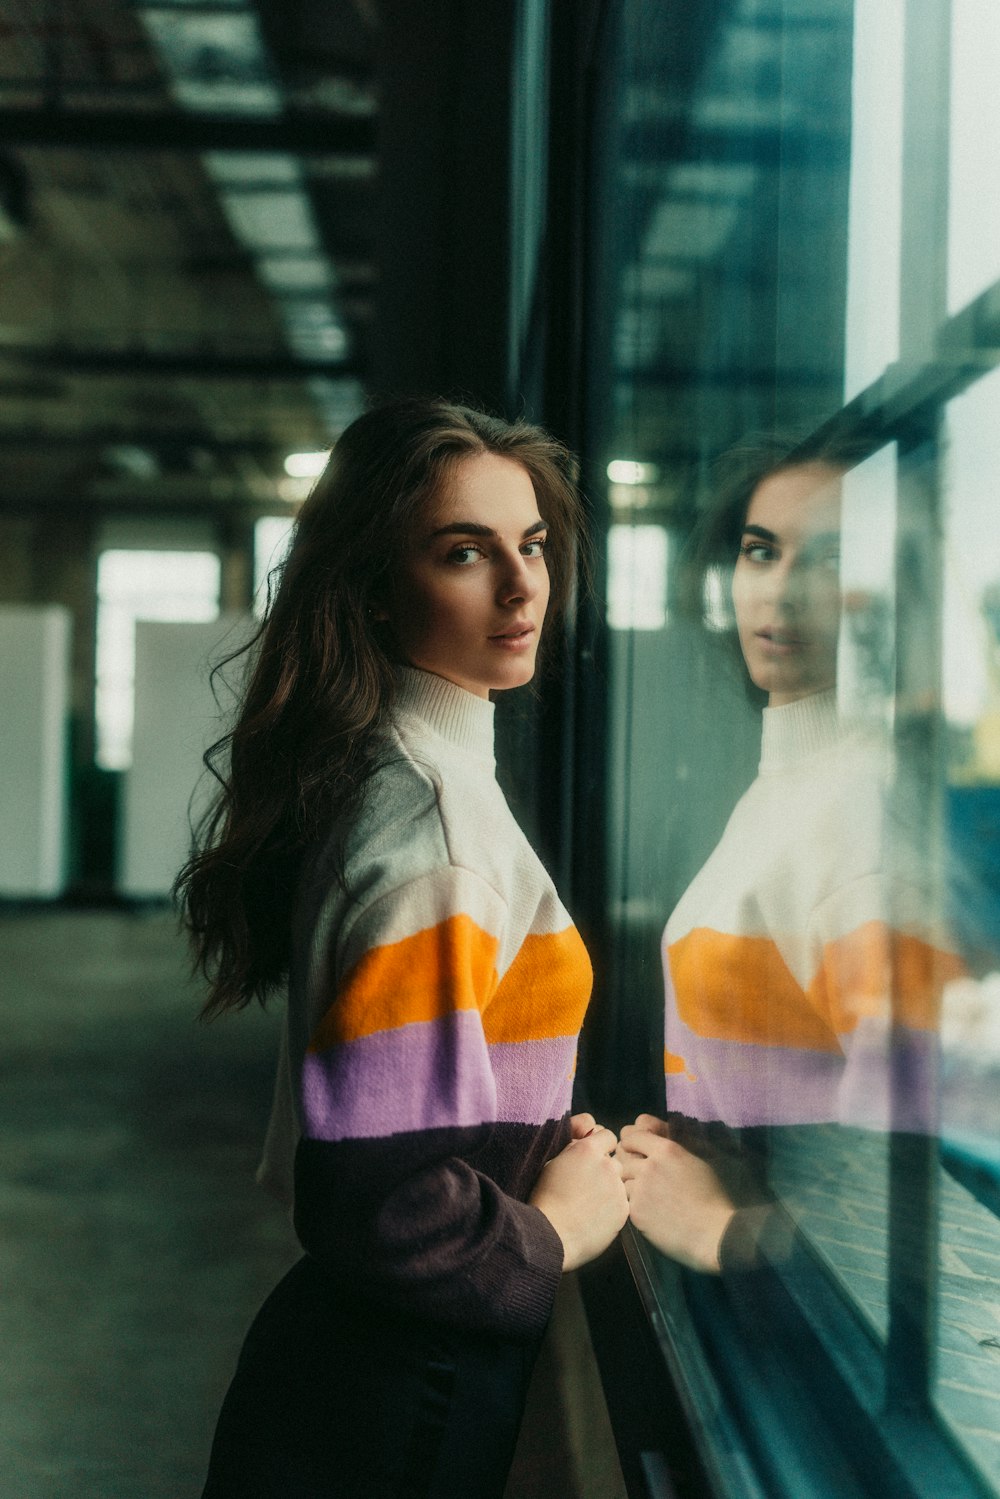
{"x":223,"y":227}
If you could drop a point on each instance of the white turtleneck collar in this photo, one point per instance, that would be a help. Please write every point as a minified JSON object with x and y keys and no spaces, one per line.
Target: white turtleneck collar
{"x":798,"y":730}
{"x":459,"y":717}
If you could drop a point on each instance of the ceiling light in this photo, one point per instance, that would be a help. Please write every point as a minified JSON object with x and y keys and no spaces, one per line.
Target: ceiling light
{"x":305,"y":465}
{"x":626,"y":471}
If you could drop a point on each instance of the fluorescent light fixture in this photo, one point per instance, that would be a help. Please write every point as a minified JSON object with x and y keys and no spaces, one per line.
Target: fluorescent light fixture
{"x":215,"y":60}
{"x":305,"y":465}
{"x":626,"y":471}
{"x":312,"y":328}
{"x":253,"y":169}
{"x":295,"y":273}
{"x":270,"y":219}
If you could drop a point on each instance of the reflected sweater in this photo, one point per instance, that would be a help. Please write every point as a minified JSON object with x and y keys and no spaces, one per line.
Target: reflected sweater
{"x":804,"y":945}
{"x":431,"y":1034}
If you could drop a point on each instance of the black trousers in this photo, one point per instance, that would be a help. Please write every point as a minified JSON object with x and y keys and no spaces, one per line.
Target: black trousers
{"x":334,"y":1398}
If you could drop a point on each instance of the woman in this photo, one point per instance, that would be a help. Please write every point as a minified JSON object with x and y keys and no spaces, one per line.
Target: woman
{"x":801,"y":950}
{"x":362,"y":850}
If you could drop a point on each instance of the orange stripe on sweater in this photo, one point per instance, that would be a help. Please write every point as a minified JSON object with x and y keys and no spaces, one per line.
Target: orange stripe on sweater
{"x":740,"y":988}
{"x":860,"y":970}
{"x":544,"y":992}
{"x":447,"y":967}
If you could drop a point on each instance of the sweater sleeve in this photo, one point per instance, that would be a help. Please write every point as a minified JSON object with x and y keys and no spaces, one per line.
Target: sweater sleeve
{"x":397,"y":1099}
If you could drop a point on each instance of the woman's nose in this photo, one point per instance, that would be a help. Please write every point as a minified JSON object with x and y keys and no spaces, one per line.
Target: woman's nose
{"x":517,"y":581}
{"x":790,"y":586}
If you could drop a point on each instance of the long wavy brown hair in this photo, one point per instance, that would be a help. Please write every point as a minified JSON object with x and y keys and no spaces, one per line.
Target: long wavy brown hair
{"x":321,"y":676}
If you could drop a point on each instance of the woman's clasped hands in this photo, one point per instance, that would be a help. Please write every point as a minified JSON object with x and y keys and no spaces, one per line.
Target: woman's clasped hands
{"x":598,"y":1182}
{"x":581,"y":1192}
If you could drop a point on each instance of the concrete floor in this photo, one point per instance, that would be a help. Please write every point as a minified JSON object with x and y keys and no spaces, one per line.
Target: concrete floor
{"x":134,"y":1245}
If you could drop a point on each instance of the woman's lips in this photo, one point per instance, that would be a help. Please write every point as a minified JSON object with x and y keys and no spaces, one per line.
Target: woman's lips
{"x":517,"y":638}
{"x":780,"y":642}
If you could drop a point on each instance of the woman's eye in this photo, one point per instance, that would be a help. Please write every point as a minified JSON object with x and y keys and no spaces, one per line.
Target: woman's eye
{"x":534,"y":548}
{"x":463,"y":556}
{"x":757,"y":551}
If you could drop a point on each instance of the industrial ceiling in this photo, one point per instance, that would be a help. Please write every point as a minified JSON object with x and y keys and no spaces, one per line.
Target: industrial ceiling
{"x":186,"y":244}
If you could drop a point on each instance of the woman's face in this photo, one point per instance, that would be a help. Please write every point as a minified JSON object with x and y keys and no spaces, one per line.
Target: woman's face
{"x":471,"y":595}
{"x":786,"y":585}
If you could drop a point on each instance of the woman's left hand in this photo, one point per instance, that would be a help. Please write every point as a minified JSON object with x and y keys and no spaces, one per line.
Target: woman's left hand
{"x":675,"y":1198}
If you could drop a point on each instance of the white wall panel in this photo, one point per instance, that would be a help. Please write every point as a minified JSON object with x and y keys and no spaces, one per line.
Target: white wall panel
{"x":176,"y":719}
{"x":34,"y":704}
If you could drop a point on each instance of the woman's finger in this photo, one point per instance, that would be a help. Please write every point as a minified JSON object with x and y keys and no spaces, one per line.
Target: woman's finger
{"x":635,"y":1140}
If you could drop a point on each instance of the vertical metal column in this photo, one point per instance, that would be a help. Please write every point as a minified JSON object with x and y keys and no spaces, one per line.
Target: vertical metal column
{"x":913,"y":1156}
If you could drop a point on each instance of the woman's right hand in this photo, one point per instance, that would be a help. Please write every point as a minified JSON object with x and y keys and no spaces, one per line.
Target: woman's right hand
{"x":581,"y":1193}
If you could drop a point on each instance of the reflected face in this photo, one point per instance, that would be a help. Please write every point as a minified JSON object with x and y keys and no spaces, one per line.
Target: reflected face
{"x":471,"y":596}
{"x":786,"y":585}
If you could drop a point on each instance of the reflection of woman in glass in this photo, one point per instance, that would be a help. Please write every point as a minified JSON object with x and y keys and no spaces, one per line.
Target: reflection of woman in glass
{"x":796,"y":952}
{"x":361,"y":846}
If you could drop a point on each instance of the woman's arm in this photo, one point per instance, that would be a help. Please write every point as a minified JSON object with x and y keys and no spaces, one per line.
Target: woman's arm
{"x":408,"y":1183}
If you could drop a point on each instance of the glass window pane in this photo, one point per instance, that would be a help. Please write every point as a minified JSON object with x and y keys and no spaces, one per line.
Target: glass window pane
{"x":967,"y":1386}
{"x":803,"y":601}
{"x":974,"y":202}
{"x":972,"y":578}
{"x":875,"y":214}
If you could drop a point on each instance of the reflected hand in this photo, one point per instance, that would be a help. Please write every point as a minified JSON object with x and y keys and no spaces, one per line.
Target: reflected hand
{"x":580,"y":1191}
{"x":675,"y":1198}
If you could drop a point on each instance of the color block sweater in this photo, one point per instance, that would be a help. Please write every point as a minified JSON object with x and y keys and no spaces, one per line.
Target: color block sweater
{"x":803,"y":955}
{"x":431,"y":1034}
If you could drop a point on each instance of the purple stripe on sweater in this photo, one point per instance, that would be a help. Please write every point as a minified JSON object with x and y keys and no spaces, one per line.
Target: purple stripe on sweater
{"x":534,"y":1078}
{"x":429,"y":1075}
{"x":743,"y":1084}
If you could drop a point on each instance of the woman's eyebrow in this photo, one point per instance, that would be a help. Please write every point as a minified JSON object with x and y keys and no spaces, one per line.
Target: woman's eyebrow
{"x":761,"y":531}
{"x":472,"y":528}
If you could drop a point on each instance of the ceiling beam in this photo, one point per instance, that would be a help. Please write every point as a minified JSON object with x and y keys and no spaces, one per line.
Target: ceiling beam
{"x":314,"y":134}
{"x":40,"y":437}
{"x":192,"y":365}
